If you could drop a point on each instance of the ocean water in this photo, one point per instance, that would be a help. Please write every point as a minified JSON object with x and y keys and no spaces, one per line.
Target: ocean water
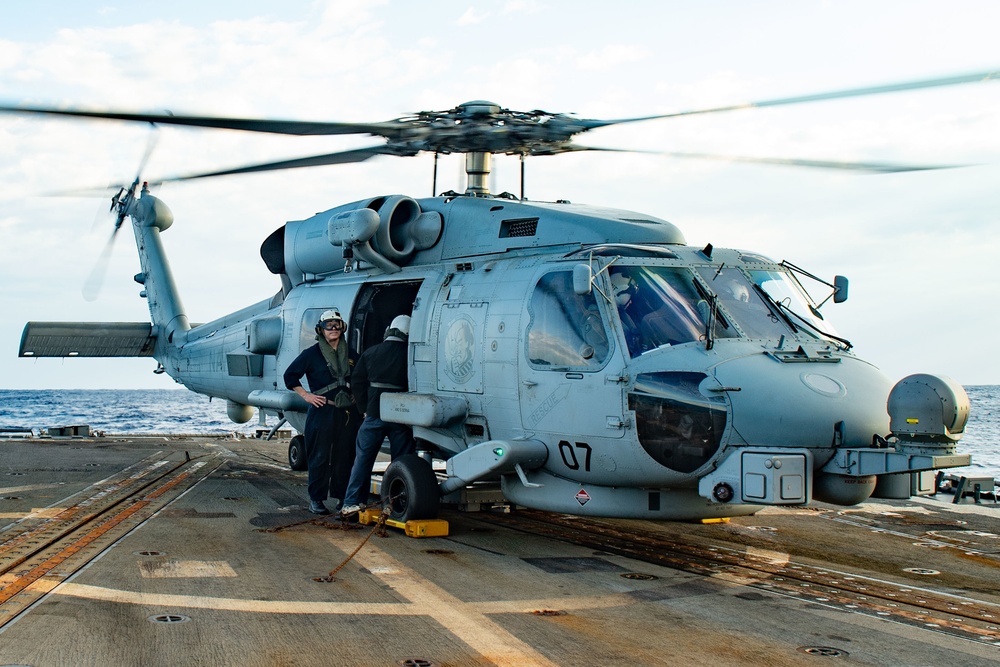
{"x":114,"y":411}
{"x":982,"y":434}
{"x":179,"y":411}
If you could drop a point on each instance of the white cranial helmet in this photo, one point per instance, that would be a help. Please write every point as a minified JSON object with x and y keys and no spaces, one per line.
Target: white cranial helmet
{"x":624,"y":288}
{"x":739,"y":291}
{"x":332,"y":315}
{"x":402,"y":323}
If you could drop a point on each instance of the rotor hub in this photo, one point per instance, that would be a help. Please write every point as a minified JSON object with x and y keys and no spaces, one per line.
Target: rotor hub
{"x":479,"y":108}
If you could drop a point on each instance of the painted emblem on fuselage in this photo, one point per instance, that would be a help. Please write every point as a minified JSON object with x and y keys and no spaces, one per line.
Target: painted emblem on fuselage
{"x":458,"y":349}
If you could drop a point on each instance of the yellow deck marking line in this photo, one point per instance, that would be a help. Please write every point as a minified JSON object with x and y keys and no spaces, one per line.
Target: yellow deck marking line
{"x":564,"y":604}
{"x":772,"y":557}
{"x":47,"y":512}
{"x":101,"y":593}
{"x":483,"y":635}
{"x":235,"y":604}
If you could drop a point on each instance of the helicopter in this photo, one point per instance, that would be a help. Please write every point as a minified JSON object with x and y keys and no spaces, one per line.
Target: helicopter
{"x":586,"y":359}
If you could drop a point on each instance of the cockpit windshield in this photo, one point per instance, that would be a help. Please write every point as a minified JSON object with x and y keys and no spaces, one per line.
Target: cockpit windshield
{"x":661,"y":306}
{"x":798,"y":307}
{"x":743,"y":303}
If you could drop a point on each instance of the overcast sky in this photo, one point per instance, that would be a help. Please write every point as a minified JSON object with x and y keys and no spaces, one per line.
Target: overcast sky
{"x":919,"y":248}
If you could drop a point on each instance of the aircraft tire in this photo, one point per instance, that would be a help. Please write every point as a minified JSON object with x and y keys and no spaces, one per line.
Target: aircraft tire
{"x":297,"y":453}
{"x":410,"y":490}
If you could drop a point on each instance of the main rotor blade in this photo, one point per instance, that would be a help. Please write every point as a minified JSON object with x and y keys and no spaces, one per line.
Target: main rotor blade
{"x":87,"y":192}
{"x":295,"y":127}
{"x":344,"y":157}
{"x":543,"y":150}
{"x":817,"y":97}
{"x":870,"y":167}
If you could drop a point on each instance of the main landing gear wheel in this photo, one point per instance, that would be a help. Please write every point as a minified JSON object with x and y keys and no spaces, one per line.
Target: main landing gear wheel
{"x":410,"y":489}
{"x":297,"y":453}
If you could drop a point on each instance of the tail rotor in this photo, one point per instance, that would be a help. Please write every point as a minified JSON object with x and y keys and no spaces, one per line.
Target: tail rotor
{"x":122,"y":205}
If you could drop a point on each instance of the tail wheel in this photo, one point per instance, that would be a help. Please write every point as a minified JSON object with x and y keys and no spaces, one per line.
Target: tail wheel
{"x":297,"y":453}
{"x":410,"y":489}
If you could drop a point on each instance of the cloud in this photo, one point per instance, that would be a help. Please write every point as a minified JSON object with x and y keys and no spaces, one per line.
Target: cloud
{"x":612,"y":57}
{"x":523,"y":7}
{"x":472,"y":16}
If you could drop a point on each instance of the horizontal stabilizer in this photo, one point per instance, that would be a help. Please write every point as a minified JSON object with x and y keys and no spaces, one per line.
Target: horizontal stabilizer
{"x":87,"y":339}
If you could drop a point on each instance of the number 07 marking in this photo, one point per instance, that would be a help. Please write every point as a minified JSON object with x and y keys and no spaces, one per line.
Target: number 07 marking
{"x":568,"y":453}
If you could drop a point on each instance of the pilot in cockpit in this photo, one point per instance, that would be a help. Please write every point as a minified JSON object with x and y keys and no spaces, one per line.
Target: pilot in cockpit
{"x":624,"y":288}
{"x":736,"y":299}
{"x":654,"y":310}
{"x":738,"y":291}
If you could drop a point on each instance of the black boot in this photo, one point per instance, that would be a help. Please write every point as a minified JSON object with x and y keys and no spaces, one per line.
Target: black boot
{"x":317,"y":507}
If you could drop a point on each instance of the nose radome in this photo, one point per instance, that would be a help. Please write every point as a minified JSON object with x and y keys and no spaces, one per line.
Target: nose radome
{"x":800,"y":404}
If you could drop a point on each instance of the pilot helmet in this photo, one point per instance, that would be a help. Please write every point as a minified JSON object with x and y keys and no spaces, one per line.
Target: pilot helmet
{"x":332,"y":315}
{"x":739,"y":291}
{"x":624,"y":287}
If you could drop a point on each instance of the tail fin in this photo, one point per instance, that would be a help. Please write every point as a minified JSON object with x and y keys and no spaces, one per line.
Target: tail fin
{"x":150,"y":217}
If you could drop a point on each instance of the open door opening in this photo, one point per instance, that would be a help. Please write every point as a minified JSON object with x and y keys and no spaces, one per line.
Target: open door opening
{"x":376,"y":306}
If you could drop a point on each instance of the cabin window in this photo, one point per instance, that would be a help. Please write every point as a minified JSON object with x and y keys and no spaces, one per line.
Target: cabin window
{"x":566,"y":329}
{"x":245,"y":365}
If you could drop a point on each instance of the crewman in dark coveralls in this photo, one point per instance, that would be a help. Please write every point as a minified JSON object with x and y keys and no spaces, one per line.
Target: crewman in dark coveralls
{"x":332,"y":421}
{"x":381,"y":369}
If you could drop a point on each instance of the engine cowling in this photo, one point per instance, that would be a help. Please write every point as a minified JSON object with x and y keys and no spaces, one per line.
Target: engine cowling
{"x":384,"y":231}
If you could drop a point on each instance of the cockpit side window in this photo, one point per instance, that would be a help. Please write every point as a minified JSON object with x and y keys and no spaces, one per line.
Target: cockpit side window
{"x":566,"y":329}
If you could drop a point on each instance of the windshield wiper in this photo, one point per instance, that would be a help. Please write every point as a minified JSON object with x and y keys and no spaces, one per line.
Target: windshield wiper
{"x":713,"y":313}
{"x":774,"y":306}
{"x":843,"y":341}
{"x":785,"y":311}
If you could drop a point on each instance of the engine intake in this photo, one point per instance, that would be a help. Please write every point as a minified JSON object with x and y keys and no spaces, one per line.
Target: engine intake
{"x":403,"y":228}
{"x":385,"y":232}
